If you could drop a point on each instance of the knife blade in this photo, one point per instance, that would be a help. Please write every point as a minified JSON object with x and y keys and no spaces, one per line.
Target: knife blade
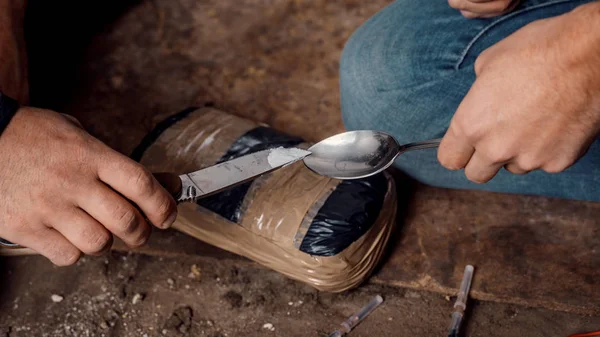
{"x":213,"y":179}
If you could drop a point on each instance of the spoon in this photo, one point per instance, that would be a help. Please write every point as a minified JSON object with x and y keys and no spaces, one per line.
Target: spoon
{"x":358,"y":154}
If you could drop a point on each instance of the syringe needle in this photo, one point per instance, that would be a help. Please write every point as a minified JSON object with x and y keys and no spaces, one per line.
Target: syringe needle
{"x":353,"y":320}
{"x":461,"y":302}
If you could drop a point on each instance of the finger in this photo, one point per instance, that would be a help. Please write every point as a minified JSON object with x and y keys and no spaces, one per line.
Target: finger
{"x":170,"y":182}
{"x":479,"y":8}
{"x":83,"y":231}
{"x":514,"y":168}
{"x":454,"y":151}
{"x":116,"y":214}
{"x":480,"y":169}
{"x":470,"y":15}
{"x":137,"y":184}
{"x":51,"y":244}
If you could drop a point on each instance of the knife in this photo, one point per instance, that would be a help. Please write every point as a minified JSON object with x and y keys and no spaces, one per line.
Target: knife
{"x":205,"y":182}
{"x":192,"y":186}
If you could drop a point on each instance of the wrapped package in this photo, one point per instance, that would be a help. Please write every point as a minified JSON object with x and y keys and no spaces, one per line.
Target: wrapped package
{"x":325,"y":232}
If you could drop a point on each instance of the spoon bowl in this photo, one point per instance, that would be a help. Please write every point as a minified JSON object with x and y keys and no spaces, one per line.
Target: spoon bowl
{"x":358,"y":154}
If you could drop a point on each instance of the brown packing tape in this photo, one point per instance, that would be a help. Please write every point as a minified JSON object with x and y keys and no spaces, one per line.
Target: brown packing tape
{"x":196,"y":142}
{"x":333,"y":273}
{"x":273,"y":209}
{"x":289,"y":194}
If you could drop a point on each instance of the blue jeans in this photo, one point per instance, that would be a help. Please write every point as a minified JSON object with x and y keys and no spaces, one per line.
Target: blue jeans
{"x":406,"y":70}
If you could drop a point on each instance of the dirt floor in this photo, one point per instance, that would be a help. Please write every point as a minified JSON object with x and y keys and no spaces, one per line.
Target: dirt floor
{"x":136,"y":296}
{"x":121,"y":66}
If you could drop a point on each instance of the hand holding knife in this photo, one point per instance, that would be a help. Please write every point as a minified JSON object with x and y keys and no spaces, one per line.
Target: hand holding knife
{"x":192,"y":186}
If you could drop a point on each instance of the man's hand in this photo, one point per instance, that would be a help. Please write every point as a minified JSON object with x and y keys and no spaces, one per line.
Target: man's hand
{"x":483,"y":8}
{"x":535,"y":103}
{"x":63,"y":192}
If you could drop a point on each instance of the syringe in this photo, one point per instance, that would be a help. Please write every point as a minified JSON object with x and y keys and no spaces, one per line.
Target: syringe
{"x":353,"y":320}
{"x":461,"y":302}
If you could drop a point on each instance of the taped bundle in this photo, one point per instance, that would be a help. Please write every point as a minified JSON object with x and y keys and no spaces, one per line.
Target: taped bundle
{"x":325,"y":232}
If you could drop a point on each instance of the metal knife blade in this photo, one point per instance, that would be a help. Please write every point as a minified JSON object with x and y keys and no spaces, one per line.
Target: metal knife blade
{"x":225,"y":175}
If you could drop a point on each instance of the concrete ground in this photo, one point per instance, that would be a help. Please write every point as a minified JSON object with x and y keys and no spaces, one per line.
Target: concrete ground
{"x":121,"y":66}
{"x":136,"y":295}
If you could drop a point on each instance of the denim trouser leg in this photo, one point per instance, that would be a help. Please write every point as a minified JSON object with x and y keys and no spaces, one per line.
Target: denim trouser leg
{"x":406,"y":70}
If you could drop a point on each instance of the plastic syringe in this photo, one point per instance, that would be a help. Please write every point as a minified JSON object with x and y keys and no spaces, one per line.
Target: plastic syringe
{"x":461,"y":302}
{"x":353,"y":320}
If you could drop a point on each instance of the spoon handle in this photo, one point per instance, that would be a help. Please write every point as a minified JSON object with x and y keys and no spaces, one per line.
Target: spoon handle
{"x":427,"y":144}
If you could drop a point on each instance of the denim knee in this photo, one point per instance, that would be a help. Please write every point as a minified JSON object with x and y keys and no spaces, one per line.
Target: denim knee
{"x":354,"y":80}
{"x":363,"y":69}
{"x":397,"y":73}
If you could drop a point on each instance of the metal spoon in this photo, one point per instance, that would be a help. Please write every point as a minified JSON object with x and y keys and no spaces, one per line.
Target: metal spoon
{"x":358,"y":154}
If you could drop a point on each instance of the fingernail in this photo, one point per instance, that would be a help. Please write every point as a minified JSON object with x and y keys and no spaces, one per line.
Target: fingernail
{"x":170,"y":220}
